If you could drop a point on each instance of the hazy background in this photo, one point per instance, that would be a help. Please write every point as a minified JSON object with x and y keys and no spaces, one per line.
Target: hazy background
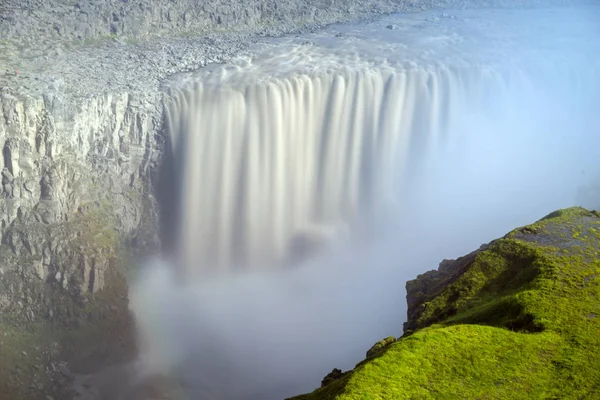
{"x":270,"y":335}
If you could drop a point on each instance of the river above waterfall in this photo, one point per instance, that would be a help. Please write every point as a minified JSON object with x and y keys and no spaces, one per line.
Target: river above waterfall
{"x":392,"y":144}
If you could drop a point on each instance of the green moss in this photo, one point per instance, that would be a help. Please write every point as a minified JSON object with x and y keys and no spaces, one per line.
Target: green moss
{"x":468,"y":361}
{"x":380,"y":347}
{"x":519,"y":320}
{"x":24,"y":353}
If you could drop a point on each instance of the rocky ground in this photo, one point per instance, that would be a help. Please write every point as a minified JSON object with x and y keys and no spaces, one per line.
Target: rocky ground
{"x":90,"y":59}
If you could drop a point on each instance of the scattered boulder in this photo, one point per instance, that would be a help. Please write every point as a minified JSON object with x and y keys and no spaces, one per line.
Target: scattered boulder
{"x":334,"y":375}
{"x":378,"y":348}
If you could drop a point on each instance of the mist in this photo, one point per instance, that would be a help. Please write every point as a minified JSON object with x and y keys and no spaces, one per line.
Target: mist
{"x":521,"y":145}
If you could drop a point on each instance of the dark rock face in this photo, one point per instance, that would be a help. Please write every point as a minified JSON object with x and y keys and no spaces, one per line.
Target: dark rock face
{"x":335,"y":374}
{"x":63,"y":302}
{"x":428,"y":285}
{"x":74,"y":206}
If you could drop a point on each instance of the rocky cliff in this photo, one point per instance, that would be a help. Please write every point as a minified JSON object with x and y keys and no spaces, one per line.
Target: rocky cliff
{"x":81,"y":104}
{"x":516,"y":319}
{"x":80,"y":132}
{"x":75,"y":197}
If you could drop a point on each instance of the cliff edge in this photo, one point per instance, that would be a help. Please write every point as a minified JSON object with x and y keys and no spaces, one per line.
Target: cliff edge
{"x":517,"y":319}
{"x":82,"y":95}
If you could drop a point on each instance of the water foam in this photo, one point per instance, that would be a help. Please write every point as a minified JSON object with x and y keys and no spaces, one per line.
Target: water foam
{"x":411,"y":154}
{"x":265,"y":163}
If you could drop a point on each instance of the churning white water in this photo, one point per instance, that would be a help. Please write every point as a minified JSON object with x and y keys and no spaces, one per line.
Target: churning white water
{"x":385,"y":149}
{"x":270,"y":165}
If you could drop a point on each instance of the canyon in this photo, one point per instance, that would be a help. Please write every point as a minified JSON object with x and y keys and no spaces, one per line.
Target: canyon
{"x":319,"y":129}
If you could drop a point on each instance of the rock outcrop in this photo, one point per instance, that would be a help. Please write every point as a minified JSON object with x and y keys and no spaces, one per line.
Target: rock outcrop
{"x":67,"y":174}
{"x":518,"y":318}
{"x":75,"y":196}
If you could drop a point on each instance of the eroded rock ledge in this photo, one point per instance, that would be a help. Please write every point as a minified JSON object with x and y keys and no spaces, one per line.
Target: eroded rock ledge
{"x":518,"y":318}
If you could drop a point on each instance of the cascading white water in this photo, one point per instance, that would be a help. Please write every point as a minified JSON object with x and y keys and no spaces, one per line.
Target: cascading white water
{"x":269,"y":165}
{"x":491,"y":124}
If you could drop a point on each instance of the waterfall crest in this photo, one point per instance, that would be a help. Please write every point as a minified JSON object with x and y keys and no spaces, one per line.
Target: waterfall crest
{"x":299,"y":142}
{"x":440,"y":135}
{"x":268,"y":167}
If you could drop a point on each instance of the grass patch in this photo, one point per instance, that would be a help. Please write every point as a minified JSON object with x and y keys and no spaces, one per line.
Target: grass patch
{"x":519,"y":319}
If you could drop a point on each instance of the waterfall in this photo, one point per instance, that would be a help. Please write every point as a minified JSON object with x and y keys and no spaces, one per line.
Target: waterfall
{"x":297,"y":143}
{"x":270,"y":165}
{"x":411,"y":144}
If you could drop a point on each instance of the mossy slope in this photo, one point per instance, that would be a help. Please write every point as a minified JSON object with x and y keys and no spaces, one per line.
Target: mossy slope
{"x":518,"y":319}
